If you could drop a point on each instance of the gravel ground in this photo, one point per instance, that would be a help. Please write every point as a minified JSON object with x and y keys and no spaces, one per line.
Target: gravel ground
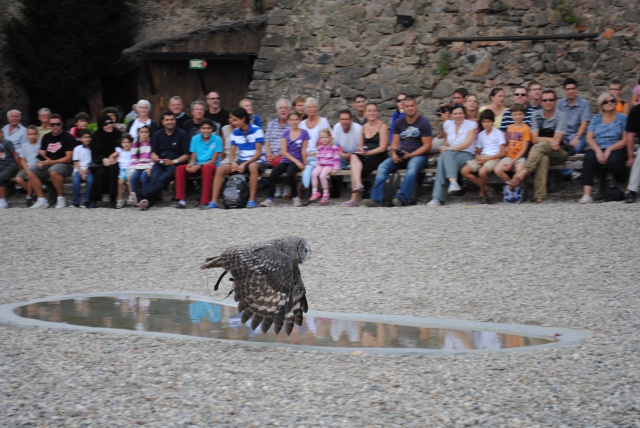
{"x":557,"y":264}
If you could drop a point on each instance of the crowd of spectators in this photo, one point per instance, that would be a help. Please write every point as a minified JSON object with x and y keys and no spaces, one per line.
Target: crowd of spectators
{"x":131,"y":163}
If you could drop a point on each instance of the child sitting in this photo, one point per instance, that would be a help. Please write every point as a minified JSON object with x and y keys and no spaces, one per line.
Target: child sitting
{"x":518,"y":139}
{"x":123,"y":154}
{"x":293,"y":150}
{"x":328,"y":162}
{"x":82,"y":121}
{"x":141,"y":163}
{"x":28,"y":158}
{"x":246,"y":141}
{"x":81,"y":160}
{"x":489,"y":148}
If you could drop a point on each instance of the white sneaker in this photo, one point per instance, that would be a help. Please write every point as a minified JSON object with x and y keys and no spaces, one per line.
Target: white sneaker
{"x":286,"y":191}
{"x":453,"y":188}
{"x":586,"y":199}
{"x":267,"y":203}
{"x":61,"y":202}
{"x":278,"y":193}
{"x":296,"y":202}
{"x":434,"y":203}
{"x":4,"y":203}
{"x":40,"y":203}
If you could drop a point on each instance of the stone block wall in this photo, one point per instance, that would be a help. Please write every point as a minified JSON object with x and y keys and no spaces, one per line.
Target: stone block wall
{"x":335,"y":49}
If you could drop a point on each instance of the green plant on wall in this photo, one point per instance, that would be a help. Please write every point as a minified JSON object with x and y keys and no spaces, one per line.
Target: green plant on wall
{"x":565,"y":11}
{"x":444,"y":63}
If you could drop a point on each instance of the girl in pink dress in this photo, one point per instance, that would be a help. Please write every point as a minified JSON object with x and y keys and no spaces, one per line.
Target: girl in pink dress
{"x":328,"y":162}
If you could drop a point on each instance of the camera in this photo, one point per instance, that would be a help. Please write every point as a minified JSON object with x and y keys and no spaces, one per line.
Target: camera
{"x":443,"y":108}
{"x":400,"y":153}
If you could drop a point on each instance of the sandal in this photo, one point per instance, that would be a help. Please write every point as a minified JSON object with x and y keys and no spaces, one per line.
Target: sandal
{"x":358,"y":189}
{"x":349,"y":204}
{"x":539,"y":200}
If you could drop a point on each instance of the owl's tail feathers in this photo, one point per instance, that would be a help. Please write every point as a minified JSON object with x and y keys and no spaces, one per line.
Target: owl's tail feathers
{"x":212,"y":262}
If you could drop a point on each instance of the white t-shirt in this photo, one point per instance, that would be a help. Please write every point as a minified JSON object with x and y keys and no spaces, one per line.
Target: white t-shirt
{"x":490,"y":144}
{"x":133,"y":131}
{"x":314,"y":134}
{"x":348,"y":141}
{"x":82,"y":155}
{"x":124,"y":157}
{"x":454,"y":139}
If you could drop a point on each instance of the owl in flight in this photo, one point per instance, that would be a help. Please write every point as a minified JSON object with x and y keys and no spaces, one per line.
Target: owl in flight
{"x":266,"y":281}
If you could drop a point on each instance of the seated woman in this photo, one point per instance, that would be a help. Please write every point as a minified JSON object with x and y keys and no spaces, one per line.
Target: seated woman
{"x":457,"y":149}
{"x":372,"y":151}
{"x":497,"y":97}
{"x":607,"y":146}
{"x":104,"y":169}
{"x":246,"y":142}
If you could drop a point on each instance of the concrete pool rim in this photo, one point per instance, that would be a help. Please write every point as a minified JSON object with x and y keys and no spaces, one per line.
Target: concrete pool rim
{"x":562,"y":336}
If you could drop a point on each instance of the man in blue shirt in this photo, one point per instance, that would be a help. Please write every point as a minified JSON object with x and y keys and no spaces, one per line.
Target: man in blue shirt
{"x":169,"y":148}
{"x":412,"y":137}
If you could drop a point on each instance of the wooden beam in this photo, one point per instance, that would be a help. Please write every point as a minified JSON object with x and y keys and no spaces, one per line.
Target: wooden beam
{"x":517,"y":38}
{"x":174,"y":56}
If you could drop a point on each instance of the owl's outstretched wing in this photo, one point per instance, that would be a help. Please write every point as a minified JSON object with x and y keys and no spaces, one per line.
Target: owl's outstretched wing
{"x":267,"y":286}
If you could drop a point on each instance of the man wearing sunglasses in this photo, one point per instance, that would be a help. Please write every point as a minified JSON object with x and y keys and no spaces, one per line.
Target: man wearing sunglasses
{"x":519,"y":96}
{"x":548,"y":128}
{"x":54,"y":162}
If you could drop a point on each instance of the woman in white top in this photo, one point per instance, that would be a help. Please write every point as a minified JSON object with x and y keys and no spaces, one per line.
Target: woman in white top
{"x":143,"y":107}
{"x":457,"y":149}
{"x":312,"y":124}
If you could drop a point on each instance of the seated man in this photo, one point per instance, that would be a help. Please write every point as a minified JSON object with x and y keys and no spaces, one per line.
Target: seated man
{"x":8,"y":167}
{"x":548,"y":128}
{"x":411,"y":142}
{"x":246,"y":142}
{"x":206,"y":150}
{"x":346,"y":134}
{"x":169,"y":148}
{"x":632,"y":130}
{"x":54,"y":162}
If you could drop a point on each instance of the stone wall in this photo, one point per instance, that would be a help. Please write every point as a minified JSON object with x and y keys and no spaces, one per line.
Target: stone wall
{"x":335,"y":49}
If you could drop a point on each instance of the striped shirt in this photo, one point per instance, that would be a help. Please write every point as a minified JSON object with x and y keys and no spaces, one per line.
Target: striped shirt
{"x":246,"y":143}
{"x":141,"y":155}
{"x":508,"y":120}
{"x":274,"y":135}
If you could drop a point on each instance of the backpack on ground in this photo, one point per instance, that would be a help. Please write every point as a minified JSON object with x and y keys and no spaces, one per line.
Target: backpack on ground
{"x":236,"y":192}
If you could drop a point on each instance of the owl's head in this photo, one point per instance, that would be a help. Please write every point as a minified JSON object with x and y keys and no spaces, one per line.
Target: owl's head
{"x":304,"y":250}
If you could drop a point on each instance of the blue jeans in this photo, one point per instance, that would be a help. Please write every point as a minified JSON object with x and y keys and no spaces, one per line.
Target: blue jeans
{"x":308,"y":170}
{"x":139,"y":176}
{"x":77,"y":180}
{"x":579,"y":148}
{"x":413,"y":166}
{"x":161,"y":176}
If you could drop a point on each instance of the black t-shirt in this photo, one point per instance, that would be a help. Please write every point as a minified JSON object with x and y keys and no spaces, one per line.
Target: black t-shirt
{"x":191,"y":128}
{"x":170,"y":146}
{"x":180,"y":121}
{"x":221,"y":118}
{"x":633,"y":121}
{"x":56,"y":146}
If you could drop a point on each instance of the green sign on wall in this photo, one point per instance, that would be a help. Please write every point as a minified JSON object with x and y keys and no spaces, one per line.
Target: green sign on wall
{"x":197,"y":64}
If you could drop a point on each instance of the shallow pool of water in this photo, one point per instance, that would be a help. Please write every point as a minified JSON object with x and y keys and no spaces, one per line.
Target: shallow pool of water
{"x":205,"y":319}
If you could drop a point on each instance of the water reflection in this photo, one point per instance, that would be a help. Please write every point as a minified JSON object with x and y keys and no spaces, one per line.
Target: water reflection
{"x":206,"y":319}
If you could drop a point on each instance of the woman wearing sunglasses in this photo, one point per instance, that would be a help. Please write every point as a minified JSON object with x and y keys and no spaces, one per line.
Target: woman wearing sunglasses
{"x":607,"y":147}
